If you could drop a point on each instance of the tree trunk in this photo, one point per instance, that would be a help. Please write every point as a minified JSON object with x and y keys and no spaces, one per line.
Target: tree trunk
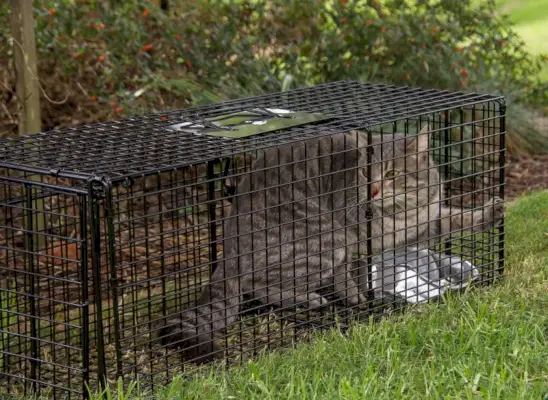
{"x":28,"y":99}
{"x":24,"y":50}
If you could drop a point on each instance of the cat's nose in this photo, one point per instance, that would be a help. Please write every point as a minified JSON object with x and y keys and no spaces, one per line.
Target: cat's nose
{"x":375,"y":190}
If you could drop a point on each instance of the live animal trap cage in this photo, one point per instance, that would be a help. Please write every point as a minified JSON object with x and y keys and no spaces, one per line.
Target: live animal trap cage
{"x":305,"y":209}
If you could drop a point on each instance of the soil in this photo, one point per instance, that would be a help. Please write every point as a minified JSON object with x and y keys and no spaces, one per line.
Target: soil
{"x":525,"y":174}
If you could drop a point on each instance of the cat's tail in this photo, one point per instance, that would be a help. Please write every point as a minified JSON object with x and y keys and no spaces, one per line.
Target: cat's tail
{"x":193,"y":329}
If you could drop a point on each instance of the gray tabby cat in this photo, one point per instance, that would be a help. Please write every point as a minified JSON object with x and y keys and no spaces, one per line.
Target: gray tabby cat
{"x":299,"y":214}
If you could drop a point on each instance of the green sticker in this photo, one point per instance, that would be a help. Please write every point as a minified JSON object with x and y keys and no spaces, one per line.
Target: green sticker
{"x":248,"y":123}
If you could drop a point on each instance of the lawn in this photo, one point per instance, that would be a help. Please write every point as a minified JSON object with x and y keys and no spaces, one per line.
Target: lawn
{"x":487,"y":343}
{"x":531,"y":20}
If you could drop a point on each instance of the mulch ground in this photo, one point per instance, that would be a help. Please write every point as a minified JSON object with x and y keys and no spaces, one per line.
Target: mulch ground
{"x":525,"y":174}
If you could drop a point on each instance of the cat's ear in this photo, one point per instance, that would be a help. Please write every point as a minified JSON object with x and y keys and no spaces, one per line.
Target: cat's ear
{"x":419,"y":143}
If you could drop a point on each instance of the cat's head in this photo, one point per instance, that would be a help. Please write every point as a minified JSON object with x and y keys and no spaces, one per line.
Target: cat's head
{"x":403,"y":175}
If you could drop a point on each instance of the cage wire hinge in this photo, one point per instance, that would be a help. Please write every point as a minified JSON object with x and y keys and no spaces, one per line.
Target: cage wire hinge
{"x":127,"y":183}
{"x":98,"y":190}
{"x":502,"y":108}
{"x":55,"y":172}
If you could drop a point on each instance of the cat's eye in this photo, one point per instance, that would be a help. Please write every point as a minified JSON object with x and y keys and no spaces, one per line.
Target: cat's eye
{"x":392,"y":173}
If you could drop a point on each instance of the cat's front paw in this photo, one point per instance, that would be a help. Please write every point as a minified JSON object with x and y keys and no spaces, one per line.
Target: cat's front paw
{"x":492,"y":214}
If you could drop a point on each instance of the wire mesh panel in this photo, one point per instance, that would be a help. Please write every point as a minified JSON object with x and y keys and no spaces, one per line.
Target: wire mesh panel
{"x":165,"y":245}
{"x":43,"y":295}
{"x":353,"y":223}
{"x":218,"y":232}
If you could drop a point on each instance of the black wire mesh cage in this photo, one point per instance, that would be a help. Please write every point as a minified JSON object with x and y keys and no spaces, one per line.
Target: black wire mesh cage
{"x":146,"y":247}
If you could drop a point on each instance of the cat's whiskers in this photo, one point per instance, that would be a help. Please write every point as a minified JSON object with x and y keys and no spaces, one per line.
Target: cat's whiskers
{"x":351,"y":206}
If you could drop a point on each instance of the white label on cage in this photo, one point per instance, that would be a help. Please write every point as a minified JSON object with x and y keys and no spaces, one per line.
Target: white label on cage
{"x":177,"y":126}
{"x":241,"y":124}
{"x":279,"y":111}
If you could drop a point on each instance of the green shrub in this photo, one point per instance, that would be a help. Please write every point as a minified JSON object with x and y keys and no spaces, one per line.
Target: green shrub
{"x":134,"y":57}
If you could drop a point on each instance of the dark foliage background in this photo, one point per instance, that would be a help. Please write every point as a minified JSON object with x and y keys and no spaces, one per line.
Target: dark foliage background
{"x":103,"y":60}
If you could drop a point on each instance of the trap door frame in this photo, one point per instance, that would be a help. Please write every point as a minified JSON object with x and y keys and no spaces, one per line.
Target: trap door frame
{"x":34,"y":194}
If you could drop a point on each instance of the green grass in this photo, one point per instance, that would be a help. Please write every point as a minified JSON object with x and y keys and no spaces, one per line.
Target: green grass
{"x":486,"y":344}
{"x":531,"y":19}
{"x":524,"y":11}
